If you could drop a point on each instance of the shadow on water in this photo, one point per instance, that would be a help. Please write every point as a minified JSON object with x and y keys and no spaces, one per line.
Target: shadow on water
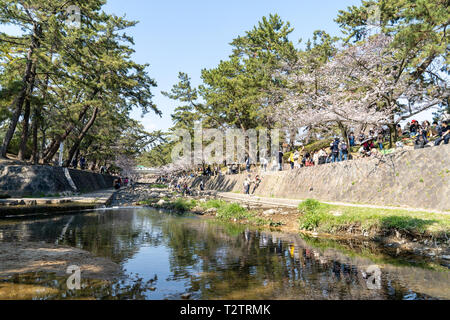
{"x":165,"y":255}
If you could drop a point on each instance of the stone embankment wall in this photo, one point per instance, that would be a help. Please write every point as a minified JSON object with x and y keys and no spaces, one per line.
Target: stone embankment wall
{"x":415,"y":178}
{"x":19,"y":180}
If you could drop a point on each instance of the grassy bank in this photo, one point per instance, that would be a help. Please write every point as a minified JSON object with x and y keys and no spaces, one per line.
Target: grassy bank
{"x":158,"y":186}
{"x":314,"y":216}
{"x":179,"y":205}
{"x":333,"y":219}
{"x":224,"y":211}
{"x":235,"y":212}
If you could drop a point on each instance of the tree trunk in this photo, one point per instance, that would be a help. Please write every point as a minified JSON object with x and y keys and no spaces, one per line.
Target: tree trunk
{"x":344,"y":133}
{"x":77,"y":155}
{"x":390,"y":136}
{"x":19,"y":101}
{"x":53,"y":148}
{"x":26,"y":116}
{"x":392,"y":130}
{"x":44,"y":138}
{"x":34,"y":132}
{"x":80,"y":137}
{"x":24,"y":138}
{"x":37,"y":117}
{"x":292,"y":135}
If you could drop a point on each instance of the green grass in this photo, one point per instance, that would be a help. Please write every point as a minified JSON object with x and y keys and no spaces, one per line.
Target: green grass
{"x":179,"y":205}
{"x":5,"y":196}
{"x":148,"y":202}
{"x":234,"y":211}
{"x":182,"y":205}
{"x":215,"y":203}
{"x":335,"y":219}
{"x":158,"y":186}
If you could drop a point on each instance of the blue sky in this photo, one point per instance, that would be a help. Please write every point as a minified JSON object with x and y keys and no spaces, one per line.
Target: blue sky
{"x":180,"y":35}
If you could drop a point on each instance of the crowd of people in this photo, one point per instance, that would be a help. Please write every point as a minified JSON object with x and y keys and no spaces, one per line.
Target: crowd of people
{"x":422,"y":135}
{"x":370,"y":144}
{"x":249,"y":182}
{"x":119,"y":182}
{"x":82,"y":164}
{"x":181,"y":182}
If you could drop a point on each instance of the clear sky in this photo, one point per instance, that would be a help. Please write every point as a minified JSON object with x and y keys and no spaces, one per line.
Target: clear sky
{"x":181,"y":35}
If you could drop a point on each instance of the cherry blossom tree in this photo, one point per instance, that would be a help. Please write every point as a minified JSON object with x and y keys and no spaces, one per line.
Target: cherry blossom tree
{"x":363,"y":83}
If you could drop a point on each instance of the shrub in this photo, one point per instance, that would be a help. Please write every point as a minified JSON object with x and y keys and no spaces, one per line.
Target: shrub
{"x":232,"y":211}
{"x":309,"y":205}
{"x":312,"y":214}
{"x":182,"y":205}
{"x":214,"y":204}
{"x":310,"y":221}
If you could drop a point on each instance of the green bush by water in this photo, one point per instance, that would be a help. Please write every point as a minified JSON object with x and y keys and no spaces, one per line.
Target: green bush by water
{"x":312,"y":216}
{"x":215,"y":203}
{"x":182,"y":205}
{"x":234,"y":211}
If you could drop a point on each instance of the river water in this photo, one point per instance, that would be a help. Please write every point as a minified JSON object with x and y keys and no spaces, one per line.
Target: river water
{"x":166,"y":256}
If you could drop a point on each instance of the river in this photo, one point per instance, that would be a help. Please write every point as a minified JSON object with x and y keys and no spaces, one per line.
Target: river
{"x":168,"y":256}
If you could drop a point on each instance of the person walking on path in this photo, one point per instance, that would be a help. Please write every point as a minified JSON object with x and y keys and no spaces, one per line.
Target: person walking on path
{"x":247,"y":183}
{"x":257,"y":182}
{"x":247,"y":163}
{"x":380,"y":138}
{"x":264,"y":163}
{"x":280,"y":160}
{"x":291,"y":160}
{"x":335,"y":150}
{"x":82,"y":163}
{"x":343,"y":151}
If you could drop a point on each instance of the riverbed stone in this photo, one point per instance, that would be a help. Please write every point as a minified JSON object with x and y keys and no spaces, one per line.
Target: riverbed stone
{"x":198,"y":210}
{"x":186,"y":296}
{"x":270,"y":212}
{"x":211,"y":211}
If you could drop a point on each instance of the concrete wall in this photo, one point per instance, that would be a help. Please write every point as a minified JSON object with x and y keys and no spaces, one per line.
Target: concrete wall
{"x":20,"y":180}
{"x":416,"y":178}
{"x":89,"y":181}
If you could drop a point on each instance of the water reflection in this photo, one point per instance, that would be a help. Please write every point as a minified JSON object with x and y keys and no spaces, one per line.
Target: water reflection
{"x":173,"y":255}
